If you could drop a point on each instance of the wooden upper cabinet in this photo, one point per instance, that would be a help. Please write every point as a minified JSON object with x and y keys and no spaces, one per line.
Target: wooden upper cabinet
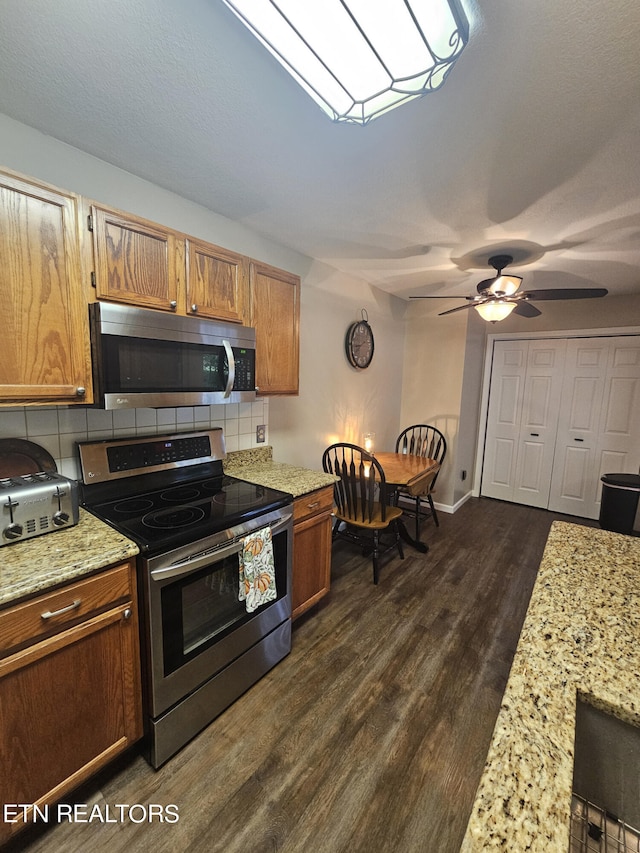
{"x":275,"y":313}
{"x":216,"y":281}
{"x":135,"y":260}
{"x":45,"y":356}
{"x":150,"y":266}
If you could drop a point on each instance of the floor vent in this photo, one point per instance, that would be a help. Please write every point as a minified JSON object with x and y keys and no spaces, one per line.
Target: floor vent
{"x":594,"y":830}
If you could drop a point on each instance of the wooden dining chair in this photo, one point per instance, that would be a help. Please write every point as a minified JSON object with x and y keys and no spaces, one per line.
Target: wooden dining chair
{"x":362,"y":513}
{"x":428,"y":442}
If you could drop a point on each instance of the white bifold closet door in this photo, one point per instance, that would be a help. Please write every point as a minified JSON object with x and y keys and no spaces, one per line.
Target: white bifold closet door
{"x":599,"y":422}
{"x":561,"y":414}
{"x":526,"y":388}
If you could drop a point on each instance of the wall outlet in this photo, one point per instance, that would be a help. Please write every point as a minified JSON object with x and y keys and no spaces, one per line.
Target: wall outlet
{"x":261,"y":433}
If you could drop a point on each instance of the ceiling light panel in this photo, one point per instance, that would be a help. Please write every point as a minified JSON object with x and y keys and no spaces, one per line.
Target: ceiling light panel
{"x":358,"y":58}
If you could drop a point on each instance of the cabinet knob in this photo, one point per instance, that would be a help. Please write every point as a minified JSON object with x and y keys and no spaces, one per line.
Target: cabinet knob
{"x":127,"y":613}
{"x":173,"y":304}
{"x":81,"y":391}
{"x":194,"y":308}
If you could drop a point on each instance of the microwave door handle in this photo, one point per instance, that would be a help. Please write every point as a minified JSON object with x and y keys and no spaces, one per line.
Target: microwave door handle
{"x":232,"y":368}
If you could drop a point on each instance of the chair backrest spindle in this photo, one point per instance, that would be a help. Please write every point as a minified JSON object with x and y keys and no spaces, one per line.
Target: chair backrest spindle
{"x":423,"y":440}
{"x":361,"y":490}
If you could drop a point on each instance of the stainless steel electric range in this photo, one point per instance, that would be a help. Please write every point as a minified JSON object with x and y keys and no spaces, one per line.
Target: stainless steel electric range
{"x":201,"y":647}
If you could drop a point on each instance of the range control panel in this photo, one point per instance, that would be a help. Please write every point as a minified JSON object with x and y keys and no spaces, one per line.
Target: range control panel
{"x":102,"y":461}
{"x":151,"y":453}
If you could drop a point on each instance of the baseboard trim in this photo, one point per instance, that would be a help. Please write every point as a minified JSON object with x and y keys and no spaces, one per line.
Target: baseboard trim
{"x":448,"y":508}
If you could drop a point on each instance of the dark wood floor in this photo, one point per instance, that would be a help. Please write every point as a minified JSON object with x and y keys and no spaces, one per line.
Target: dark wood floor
{"x":372,"y":734}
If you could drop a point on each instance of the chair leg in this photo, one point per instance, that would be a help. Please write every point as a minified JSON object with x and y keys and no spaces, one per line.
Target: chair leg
{"x":417,"y":536}
{"x":433,"y":510}
{"x":398,"y":540}
{"x":376,"y":554}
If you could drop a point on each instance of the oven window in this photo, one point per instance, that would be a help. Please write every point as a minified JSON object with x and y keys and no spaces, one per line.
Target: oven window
{"x":209,"y":605}
{"x":201,"y":608}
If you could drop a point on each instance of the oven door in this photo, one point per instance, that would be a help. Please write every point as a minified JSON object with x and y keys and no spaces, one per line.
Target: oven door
{"x":197,"y":624}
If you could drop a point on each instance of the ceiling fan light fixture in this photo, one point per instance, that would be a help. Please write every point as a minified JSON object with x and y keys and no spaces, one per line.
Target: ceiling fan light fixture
{"x":495,"y":310}
{"x":359,"y":59}
{"x":505,"y":285}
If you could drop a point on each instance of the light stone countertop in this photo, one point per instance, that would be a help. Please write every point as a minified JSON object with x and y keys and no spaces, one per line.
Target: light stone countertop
{"x":46,"y":561}
{"x":581,"y":637}
{"x":257,"y":466}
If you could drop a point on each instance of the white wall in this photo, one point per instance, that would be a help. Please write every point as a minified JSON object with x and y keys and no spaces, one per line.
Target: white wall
{"x":434,"y":358}
{"x":338,"y":402}
{"x":609,"y":312}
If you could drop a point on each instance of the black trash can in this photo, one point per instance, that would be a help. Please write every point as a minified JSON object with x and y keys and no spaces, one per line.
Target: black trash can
{"x":620,"y":494}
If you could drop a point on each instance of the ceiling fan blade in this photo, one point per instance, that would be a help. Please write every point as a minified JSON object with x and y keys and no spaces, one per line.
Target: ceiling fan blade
{"x":451,"y":310}
{"x":441,"y":297}
{"x":565,"y":293}
{"x":526,"y":309}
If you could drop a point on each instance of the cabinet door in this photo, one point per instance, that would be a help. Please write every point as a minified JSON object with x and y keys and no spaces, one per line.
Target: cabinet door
{"x":135,"y":261}
{"x":311,"y":550}
{"x":45,"y":353}
{"x":216,"y":282}
{"x":67,"y":706}
{"x":275,"y":313}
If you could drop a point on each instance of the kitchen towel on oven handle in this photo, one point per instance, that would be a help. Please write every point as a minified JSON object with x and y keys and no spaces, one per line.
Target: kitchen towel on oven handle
{"x":257,"y":570}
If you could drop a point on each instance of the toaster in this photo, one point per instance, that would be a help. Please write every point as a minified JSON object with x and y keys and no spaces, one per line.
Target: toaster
{"x":32,"y":504}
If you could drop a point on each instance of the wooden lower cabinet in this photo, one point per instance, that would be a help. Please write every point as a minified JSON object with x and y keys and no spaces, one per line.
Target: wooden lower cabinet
{"x":311,"y":548}
{"x":70,"y":702}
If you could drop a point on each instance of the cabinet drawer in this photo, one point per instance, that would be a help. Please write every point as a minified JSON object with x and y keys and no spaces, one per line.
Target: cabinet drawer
{"x":52,"y":612}
{"x":319,"y":501}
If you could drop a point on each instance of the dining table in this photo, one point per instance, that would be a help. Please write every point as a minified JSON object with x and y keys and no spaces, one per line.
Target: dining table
{"x":413,"y":474}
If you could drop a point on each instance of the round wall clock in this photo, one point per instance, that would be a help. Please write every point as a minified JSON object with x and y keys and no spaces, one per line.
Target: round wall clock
{"x":359,"y":343}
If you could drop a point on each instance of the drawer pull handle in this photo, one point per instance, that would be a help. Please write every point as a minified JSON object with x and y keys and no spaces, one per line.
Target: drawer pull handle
{"x":313,"y":505}
{"x":49,"y":614}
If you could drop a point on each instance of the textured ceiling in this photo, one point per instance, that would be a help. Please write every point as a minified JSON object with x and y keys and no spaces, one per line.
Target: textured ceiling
{"x":532,"y":145}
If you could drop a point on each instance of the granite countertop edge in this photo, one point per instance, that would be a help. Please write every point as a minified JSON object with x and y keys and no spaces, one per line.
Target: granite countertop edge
{"x":53,"y":559}
{"x":579,"y":640}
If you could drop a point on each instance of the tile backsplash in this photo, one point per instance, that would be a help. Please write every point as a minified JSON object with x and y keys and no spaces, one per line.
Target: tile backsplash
{"x":58,"y":429}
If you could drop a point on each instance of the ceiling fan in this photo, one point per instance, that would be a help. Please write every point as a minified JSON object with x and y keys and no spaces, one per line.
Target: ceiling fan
{"x":498,"y":296}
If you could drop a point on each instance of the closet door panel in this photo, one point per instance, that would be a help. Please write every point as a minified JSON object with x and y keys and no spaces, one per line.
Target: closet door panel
{"x":539,"y":422}
{"x":503,"y":419}
{"x":574,"y":474}
{"x":618,"y":444}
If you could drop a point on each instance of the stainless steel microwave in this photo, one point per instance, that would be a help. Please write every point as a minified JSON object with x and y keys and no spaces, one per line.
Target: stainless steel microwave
{"x":151,"y":359}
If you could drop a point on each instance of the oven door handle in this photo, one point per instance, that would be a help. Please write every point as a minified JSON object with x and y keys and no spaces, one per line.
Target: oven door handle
{"x":187,"y":567}
{"x":232,"y":368}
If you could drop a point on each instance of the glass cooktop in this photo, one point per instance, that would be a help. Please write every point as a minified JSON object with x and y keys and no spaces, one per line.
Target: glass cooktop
{"x":176,"y":514}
